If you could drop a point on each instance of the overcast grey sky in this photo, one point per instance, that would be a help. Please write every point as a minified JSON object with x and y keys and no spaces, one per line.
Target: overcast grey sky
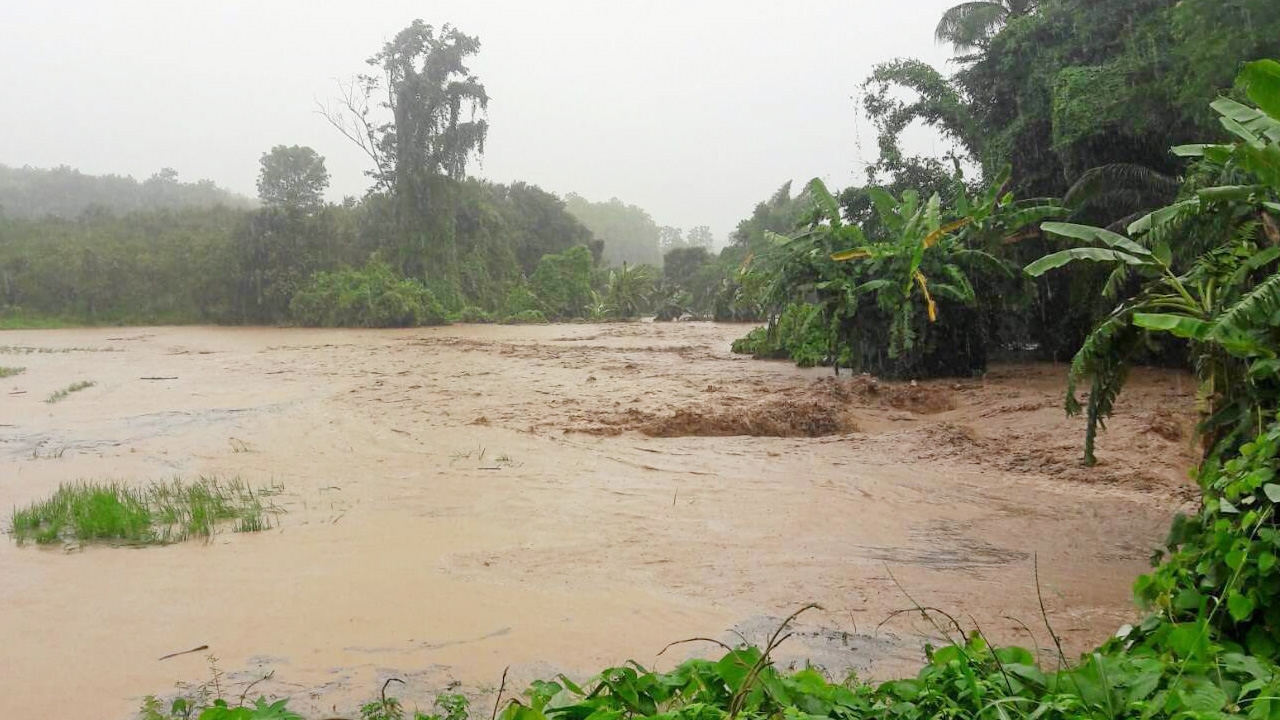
{"x":692,"y":109}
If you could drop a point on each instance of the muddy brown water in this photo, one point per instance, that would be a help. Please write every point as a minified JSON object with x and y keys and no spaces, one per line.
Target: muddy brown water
{"x":552,"y":498}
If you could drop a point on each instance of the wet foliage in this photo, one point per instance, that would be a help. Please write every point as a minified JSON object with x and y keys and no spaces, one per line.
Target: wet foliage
{"x":372,"y":297}
{"x":1218,"y":292}
{"x":898,"y":297}
{"x":154,"y":514}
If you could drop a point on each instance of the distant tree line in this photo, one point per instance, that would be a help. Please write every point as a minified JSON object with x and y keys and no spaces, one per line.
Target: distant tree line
{"x":64,"y":192}
{"x":424,"y":245}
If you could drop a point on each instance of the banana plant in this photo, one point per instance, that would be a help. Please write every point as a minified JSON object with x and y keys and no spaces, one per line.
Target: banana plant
{"x":895,"y":265}
{"x":919,"y":233}
{"x":1226,"y":303}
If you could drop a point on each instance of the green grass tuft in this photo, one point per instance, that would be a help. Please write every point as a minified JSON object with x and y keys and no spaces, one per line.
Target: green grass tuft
{"x":10,"y":371}
{"x":159,"y":513}
{"x":64,"y":392}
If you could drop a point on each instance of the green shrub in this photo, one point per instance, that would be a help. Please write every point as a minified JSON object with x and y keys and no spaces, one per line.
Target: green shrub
{"x":562,"y":283}
{"x":372,"y":297}
{"x":519,"y":300}
{"x":472,"y":315}
{"x":525,"y":317}
{"x":1223,"y":569}
{"x":799,"y":335}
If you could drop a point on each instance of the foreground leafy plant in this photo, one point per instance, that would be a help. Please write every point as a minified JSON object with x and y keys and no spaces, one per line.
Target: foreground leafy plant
{"x":158,"y":513}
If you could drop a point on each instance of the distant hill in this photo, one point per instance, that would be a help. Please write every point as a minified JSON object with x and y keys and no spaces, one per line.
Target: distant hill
{"x":67,"y":192}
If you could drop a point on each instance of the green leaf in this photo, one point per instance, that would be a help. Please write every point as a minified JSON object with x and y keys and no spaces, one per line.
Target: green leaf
{"x":825,"y":202}
{"x":873,"y":286}
{"x":1263,"y":369}
{"x":1261,"y":81}
{"x":1240,"y":131}
{"x":1065,"y":257}
{"x":1200,"y":695}
{"x":1177,"y":325}
{"x":1240,"y":606}
{"x":1196,"y":150}
{"x":1188,"y":599}
{"x":1266,"y":562}
{"x":1237,"y":111}
{"x":1189,"y":639}
{"x":1095,"y":234}
{"x":1162,"y":216}
{"x":1229,"y":193}
{"x":1235,"y":559}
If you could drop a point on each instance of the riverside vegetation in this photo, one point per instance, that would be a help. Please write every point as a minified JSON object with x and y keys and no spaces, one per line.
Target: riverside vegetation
{"x":1209,"y":646}
{"x":1084,"y":238}
{"x":158,"y":513}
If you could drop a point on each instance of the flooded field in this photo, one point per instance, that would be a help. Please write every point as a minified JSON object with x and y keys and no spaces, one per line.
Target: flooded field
{"x":552,"y":498}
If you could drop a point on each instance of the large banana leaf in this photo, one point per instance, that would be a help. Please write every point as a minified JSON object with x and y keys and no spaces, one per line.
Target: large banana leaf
{"x":1229,"y":193}
{"x":1181,"y":326}
{"x":1261,"y":161}
{"x":1093,"y":234}
{"x":886,"y":207}
{"x":825,"y":201}
{"x":1066,"y":257}
{"x":1162,"y":216}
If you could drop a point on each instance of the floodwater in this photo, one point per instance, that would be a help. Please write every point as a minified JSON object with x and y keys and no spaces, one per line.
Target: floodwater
{"x":459,"y":500}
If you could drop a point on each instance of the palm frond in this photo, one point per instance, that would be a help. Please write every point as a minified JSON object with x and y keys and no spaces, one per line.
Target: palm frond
{"x":1094,"y":234}
{"x":981,"y":257}
{"x":1141,"y":181}
{"x":968,"y":25}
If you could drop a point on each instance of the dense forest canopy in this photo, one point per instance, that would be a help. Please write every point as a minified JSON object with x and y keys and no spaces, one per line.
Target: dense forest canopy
{"x":67,"y":193}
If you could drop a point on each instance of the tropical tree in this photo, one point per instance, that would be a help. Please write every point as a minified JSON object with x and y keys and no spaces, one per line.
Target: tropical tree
{"x":436,"y":127}
{"x":670,"y":238}
{"x":628,"y":291}
{"x":701,"y":237}
{"x":292,"y":177}
{"x":969,"y":25}
{"x":562,"y":283}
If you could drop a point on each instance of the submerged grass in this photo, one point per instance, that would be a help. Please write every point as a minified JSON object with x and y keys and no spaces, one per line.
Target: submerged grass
{"x":159,"y":513}
{"x":10,"y":371}
{"x":64,"y":392}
